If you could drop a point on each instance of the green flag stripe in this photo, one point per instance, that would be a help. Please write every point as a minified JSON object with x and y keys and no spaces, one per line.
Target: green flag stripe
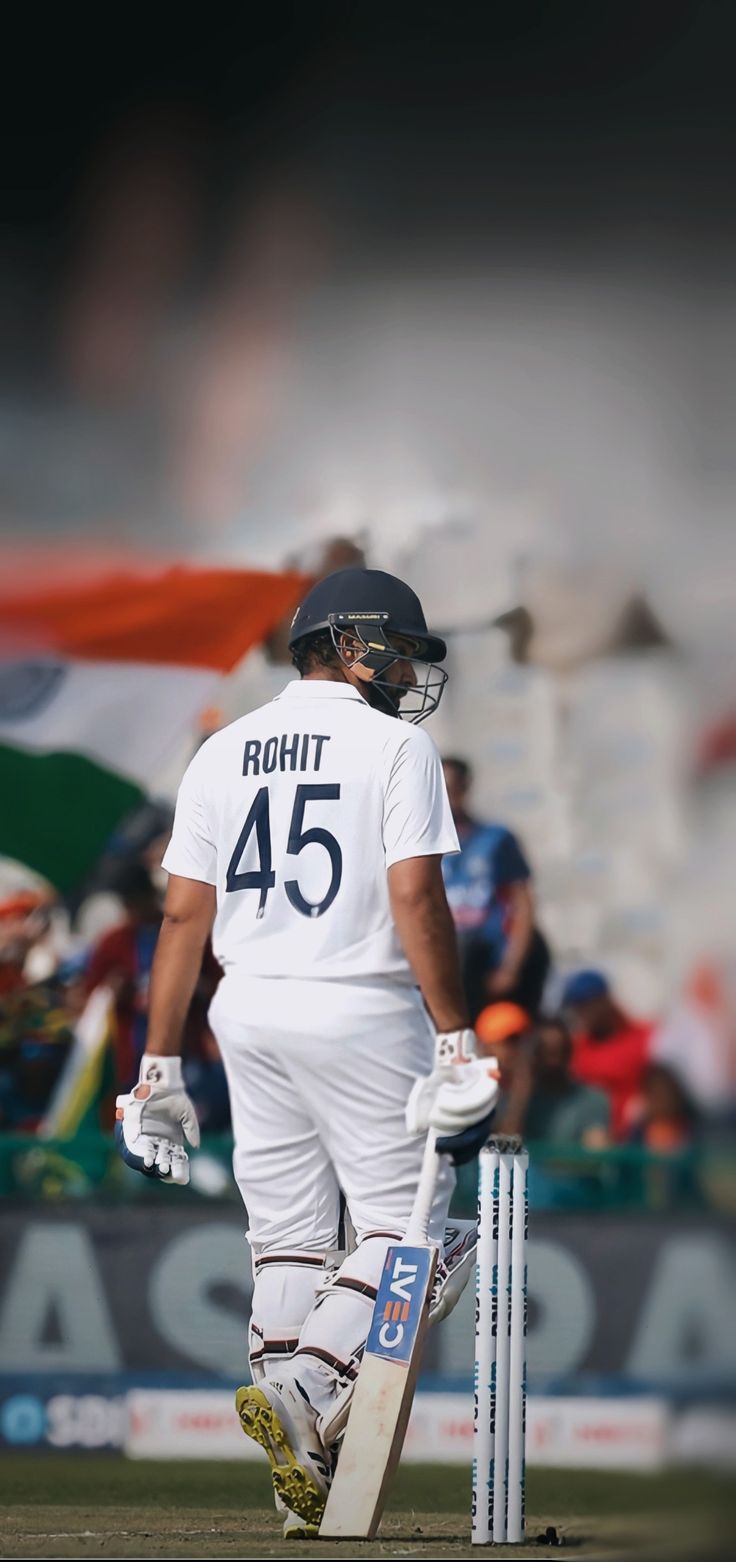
{"x":57,"y":811}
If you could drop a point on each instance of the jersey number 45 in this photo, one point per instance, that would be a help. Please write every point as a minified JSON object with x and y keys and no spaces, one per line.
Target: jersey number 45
{"x":263,"y":878}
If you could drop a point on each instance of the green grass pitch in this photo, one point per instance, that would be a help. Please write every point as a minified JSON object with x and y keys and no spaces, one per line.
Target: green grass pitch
{"x":110,"y":1507}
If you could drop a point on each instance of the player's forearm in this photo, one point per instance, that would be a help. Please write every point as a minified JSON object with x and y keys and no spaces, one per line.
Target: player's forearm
{"x":188,"y":916}
{"x":427,"y":934}
{"x":174,"y":976}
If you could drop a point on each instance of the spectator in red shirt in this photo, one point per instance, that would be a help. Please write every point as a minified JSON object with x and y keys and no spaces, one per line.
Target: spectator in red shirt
{"x":611,"y":1050}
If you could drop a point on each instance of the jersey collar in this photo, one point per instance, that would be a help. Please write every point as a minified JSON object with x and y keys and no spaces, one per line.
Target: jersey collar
{"x":320,"y":689}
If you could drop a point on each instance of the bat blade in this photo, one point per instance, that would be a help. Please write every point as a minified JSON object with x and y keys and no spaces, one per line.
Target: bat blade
{"x":383,"y":1395}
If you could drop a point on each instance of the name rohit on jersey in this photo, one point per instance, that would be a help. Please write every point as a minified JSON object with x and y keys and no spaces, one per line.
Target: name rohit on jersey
{"x":289,"y":751}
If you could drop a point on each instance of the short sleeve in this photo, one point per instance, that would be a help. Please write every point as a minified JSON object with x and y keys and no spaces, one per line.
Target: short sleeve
{"x":192,"y":852}
{"x":509,"y":863}
{"x":416,"y":813}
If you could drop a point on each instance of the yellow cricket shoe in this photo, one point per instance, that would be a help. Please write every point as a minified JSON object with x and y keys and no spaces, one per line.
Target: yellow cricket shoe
{"x":281,"y":1420}
{"x":296,"y":1529}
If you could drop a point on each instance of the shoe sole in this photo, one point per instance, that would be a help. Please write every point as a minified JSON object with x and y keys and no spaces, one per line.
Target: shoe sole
{"x":301,"y":1531}
{"x":291,"y":1482}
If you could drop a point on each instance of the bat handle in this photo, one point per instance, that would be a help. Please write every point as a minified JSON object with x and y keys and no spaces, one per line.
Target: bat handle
{"x":418,"y":1227}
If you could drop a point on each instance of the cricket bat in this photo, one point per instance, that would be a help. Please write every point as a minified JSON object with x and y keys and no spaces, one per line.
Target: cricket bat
{"x":384,"y":1391}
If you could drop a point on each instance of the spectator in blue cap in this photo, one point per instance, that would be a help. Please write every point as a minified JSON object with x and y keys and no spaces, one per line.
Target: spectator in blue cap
{"x":611,"y":1049}
{"x":583,"y":986}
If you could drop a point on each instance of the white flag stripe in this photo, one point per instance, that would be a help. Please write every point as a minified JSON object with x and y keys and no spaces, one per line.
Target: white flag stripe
{"x":128,"y":717}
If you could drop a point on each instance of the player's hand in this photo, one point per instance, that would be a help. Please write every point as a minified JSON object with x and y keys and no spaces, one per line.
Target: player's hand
{"x":454,"y":1098}
{"x":154,"y":1119}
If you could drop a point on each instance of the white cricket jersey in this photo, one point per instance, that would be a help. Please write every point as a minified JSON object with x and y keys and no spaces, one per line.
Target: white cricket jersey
{"x":295,"y":812}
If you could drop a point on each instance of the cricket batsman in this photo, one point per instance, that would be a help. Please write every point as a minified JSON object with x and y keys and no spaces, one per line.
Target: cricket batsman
{"x":308,"y":841}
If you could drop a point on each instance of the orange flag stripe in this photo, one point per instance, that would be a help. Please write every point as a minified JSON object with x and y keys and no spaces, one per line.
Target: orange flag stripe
{"x":178,"y":615}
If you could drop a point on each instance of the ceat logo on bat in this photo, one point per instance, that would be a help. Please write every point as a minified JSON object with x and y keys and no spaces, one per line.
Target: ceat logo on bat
{"x":399,"y":1302}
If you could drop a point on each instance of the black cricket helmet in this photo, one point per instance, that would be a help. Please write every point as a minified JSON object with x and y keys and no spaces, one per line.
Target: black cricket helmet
{"x":366,"y":609}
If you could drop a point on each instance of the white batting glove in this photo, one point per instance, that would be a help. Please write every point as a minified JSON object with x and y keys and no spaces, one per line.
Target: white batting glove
{"x":453,"y":1051}
{"x":453,"y":1098}
{"x":153,"y":1120}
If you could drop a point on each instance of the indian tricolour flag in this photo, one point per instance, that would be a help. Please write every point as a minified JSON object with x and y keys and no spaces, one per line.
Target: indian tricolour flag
{"x":103,"y":673}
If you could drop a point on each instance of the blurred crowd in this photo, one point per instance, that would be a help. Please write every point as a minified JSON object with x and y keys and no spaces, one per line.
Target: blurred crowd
{"x":576,"y":1069}
{"x":578,"y":1073}
{"x":55,"y":956}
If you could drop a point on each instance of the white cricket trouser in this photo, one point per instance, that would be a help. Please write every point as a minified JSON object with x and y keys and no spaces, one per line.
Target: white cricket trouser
{"x":319,"y":1074}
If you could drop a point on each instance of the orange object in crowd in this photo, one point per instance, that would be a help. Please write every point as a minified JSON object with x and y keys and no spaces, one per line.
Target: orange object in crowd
{"x":23,"y":903}
{"x":667,"y":1135}
{"x":500,"y":1022}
